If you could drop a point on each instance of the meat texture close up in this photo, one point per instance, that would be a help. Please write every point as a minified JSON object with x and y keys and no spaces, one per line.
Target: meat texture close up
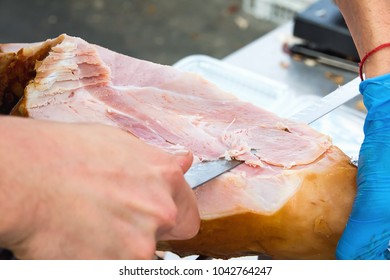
{"x":291,"y":199}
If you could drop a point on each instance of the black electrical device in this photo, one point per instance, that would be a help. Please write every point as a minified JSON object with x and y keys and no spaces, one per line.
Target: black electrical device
{"x":324,"y":33}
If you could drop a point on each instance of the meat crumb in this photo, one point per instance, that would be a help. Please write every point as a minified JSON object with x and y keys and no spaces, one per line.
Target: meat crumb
{"x":283,"y":127}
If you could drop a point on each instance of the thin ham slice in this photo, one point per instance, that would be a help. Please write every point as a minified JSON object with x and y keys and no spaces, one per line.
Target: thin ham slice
{"x":290,"y":170}
{"x":163,"y":106}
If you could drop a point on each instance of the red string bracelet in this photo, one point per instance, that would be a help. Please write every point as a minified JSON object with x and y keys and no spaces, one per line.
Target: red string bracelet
{"x":385,"y":45}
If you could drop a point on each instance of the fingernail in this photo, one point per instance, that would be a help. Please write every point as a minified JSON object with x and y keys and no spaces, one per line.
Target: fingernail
{"x":181,"y":152}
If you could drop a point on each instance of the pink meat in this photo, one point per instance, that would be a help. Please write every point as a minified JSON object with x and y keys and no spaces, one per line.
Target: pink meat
{"x":171,"y":109}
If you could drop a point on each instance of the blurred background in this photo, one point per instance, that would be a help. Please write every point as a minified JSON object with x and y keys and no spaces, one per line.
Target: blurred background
{"x":155,"y":30}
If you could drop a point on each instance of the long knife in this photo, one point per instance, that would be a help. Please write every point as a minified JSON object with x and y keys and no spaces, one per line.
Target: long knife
{"x":203,"y":172}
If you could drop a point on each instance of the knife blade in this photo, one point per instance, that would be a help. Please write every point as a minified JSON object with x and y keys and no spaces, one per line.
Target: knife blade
{"x":328,"y":103}
{"x":203,"y":172}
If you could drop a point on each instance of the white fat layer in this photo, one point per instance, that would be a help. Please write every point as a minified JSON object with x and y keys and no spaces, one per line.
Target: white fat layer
{"x":234,"y":193}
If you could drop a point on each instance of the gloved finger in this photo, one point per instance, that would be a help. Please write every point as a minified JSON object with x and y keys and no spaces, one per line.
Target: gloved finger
{"x":367,"y":233}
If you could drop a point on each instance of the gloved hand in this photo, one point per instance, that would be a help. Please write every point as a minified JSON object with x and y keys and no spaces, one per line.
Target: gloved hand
{"x":367,"y":233}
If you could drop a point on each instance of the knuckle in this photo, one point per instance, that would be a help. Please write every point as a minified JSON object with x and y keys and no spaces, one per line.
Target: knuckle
{"x":167,"y":216}
{"x":172,"y":173}
{"x":140,"y":247}
{"x":192,"y":221}
{"x":192,"y":228}
{"x":146,"y":252}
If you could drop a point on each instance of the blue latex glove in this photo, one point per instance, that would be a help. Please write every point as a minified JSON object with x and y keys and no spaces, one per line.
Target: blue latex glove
{"x":367,"y":233}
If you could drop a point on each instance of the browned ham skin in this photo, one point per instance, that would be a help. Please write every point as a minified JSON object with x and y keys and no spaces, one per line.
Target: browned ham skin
{"x":17,"y":69}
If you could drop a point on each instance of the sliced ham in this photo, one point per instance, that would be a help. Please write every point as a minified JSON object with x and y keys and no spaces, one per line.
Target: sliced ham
{"x":290,"y":200}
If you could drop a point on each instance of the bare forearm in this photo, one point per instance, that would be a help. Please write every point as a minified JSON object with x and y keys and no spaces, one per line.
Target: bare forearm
{"x":369,"y":24}
{"x":15,"y":199}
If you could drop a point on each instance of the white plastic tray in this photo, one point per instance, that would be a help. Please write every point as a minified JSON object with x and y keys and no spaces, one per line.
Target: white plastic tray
{"x":246,"y":85}
{"x":344,"y":125}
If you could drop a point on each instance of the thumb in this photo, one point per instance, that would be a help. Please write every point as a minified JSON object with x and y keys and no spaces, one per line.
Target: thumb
{"x":184,"y":158}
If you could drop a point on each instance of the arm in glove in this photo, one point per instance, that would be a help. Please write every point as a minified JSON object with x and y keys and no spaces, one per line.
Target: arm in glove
{"x":367,"y":233}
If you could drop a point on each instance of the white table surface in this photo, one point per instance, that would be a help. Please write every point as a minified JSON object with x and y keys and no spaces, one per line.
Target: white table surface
{"x":265,"y":56}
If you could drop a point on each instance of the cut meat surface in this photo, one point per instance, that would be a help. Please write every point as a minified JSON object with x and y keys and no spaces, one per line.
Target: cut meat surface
{"x":177,"y":109}
{"x":80,"y":82}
